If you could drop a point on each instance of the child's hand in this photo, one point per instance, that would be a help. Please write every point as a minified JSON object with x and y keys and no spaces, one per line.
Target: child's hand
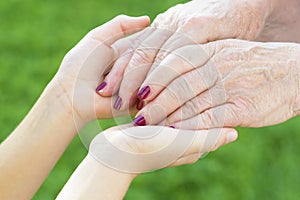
{"x":84,"y":67}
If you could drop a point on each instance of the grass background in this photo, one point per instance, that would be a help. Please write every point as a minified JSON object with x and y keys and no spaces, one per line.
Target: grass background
{"x":35,"y":35}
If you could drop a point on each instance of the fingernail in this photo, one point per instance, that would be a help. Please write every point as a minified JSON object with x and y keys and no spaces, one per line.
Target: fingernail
{"x":172,"y":126}
{"x":144,"y":92}
{"x":139,"y":121}
{"x":106,"y":73}
{"x":101,"y":87}
{"x":118,"y":103}
{"x":139,"y":104}
{"x":231,"y":136}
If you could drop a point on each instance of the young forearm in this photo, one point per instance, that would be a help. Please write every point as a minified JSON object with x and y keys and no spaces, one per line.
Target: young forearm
{"x":93,"y":180}
{"x":31,"y":151}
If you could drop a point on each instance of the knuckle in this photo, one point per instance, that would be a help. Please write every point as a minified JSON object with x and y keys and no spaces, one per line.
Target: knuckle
{"x":172,"y":96}
{"x":208,"y":98}
{"x":157,"y":20}
{"x":241,"y":110}
{"x":175,"y":117}
{"x":181,"y":90}
{"x":168,"y":19}
{"x":160,"y":56}
{"x":190,"y":108}
{"x":205,"y":120}
{"x":141,"y":56}
{"x":225,"y":44}
{"x":173,"y":10}
{"x":206,"y":23}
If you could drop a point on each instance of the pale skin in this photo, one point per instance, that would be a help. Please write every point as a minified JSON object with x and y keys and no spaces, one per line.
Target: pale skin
{"x":66,"y":105}
{"x":225,"y":83}
{"x":198,"y":22}
{"x":99,"y":177}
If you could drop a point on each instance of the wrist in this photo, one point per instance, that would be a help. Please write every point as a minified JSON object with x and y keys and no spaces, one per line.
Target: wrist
{"x":297,"y":107}
{"x":284,"y":13}
{"x":297,"y":72}
{"x":265,"y":7}
{"x":105,"y":178}
{"x":58,"y":98}
{"x":109,"y":171}
{"x":93,"y":180}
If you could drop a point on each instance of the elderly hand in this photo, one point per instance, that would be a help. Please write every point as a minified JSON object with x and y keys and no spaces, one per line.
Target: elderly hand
{"x":198,"y":21}
{"x":224,"y":84}
{"x":86,"y":64}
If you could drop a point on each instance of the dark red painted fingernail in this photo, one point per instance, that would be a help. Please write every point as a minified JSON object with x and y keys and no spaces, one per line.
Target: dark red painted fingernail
{"x":144,"y":92}
{"x":139,"y":104}
{"x":118,"y":103}
{"x":106,"y":73}
{"x":172,"y":126}
{"x":101,"y":87}
{"x":139,"y":121}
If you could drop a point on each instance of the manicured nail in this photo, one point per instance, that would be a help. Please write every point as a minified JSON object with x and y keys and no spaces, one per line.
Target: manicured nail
{"x":231,"y":136}
{"x":101,"y":87}
{"x":139,"y":104}
{"x":139,"y":121}
{"x":106,"y":73}
{"x":144,"y":92}
{"x":172,"y":126}
{"x":118,"y":103}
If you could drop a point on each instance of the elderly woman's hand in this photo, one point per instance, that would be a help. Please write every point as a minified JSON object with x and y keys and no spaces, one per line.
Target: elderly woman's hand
{"x":224,"y":83}
{"x":86,"y":65}
{"x":198,"y":21}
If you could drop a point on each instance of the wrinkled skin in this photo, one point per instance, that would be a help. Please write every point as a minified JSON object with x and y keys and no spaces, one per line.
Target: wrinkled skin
{"x":198,"y":21}
{"x":225,"y":83}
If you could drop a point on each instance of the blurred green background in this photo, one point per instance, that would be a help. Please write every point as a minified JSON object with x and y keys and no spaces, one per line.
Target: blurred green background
{"x":35,"y":35}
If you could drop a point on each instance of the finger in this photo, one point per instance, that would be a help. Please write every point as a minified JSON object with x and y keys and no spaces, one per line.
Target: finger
{"x":117,"y":28}
{"x":216,"y":117}
{"x":209,"y":140}
{"x":210,"y":98}
{"x":110,"y":85}
{"x":123,"y":45}
{"x":182,"y":61}
{"x":206,"y":141}
{"x":176,"y":41}
{"x":100,"y":103}
{"x":181,"y":90}
{"x":174,"y":65}
{"x":139,"y":66}
{"x":124,"y":49}
{"x":187,"y":160}
{"x":85,"y":55}
{"x":140,"y":149}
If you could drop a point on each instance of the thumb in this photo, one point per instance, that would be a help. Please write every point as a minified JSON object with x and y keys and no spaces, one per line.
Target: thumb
{"x":206,"y":141}
{"x":210,"y":140}
{"x":118,"y":27}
